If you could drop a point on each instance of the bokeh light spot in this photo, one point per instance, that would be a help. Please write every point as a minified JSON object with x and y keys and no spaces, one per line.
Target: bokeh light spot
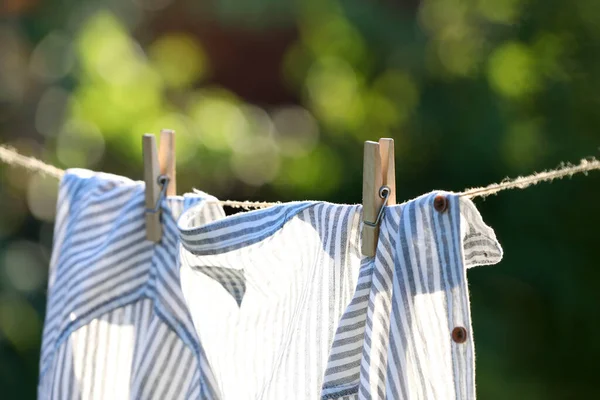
{"x":42,"y":194}
{"x":53,"y":57}
{"x":436,"y":15}
{"x":393,"y":98}
{"x":119,"y":90}
{"x":19,"y":322}
{"x":296,"y":130}
{"x":550,"y":53}
{"x":106,"y":50}
{"x":51,"y":108}
{"x":512,"y":70}
{"x":217,"y":115}
{"x":316,"y":174}
{"x":335,"y":37}
{"x":25,"y":265}
{"x":523,"y":144}
{"x":258,"y":163}
{"x":255,"y":127}
{"x":334,"y":92}
{"x":13,"y":65}
{"x":179,"y":59}
{"x":79,"y":144}
{"x":500,"y":11}
{"x":460,"y":54}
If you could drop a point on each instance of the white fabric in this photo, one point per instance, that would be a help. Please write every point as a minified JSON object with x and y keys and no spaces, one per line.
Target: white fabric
{"x":116,"y":324}
{"x":286,"y":306}
{"x":274,"y":343}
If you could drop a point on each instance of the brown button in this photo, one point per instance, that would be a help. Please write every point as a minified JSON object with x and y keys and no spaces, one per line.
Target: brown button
{"x":459,"y":334}
{"x":440,"y":203}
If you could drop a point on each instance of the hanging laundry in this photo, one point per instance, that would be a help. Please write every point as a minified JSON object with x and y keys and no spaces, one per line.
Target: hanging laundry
{"x":407,"y":332}
{"x":117,"y":326}
{"x":300,"y":262}
{"x":317,"y":319}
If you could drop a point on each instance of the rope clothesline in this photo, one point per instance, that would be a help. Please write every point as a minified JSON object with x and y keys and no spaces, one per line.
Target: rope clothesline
{"x":523,"y":182}
{"x":13,"y":158}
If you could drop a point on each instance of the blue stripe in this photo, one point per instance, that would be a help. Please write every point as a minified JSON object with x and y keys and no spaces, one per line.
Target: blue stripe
{"x":105,"y":217}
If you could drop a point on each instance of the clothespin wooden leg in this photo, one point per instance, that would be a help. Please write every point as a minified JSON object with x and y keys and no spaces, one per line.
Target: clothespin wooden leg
{"x":388,"y":167}
{"x":378,"y":171}
{"x":151,"y":174}
{"x":166,"y":158}
{"x":372,"y":181}
{"x":158,"y":164}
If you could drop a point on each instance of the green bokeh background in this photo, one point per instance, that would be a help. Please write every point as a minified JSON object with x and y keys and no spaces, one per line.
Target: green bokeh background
{"x":272,"y":100}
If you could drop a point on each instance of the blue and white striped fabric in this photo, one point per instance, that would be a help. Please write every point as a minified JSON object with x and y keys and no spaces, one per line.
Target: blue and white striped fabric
{"x":299,"y":264}
{"x":117,"y":326}
{"x":318,"y":320}
{"x":396,"y":339}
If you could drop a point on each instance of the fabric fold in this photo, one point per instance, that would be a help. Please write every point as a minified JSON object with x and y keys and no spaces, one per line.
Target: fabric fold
{"x":394,"y":340}
{"x":319,"y":319}
{"x":116,"y":324}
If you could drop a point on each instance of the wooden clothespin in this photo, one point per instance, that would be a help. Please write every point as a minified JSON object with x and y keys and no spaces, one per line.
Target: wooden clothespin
{"x":159,"y":175}
{"x":379,"y":183}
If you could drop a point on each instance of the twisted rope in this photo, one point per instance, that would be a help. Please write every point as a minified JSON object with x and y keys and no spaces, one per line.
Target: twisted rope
{"x":11,"y":157}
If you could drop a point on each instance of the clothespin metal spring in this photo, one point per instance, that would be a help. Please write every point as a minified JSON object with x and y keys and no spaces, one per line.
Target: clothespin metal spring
{"x":163,"y":181}
{"x":384,"y":193}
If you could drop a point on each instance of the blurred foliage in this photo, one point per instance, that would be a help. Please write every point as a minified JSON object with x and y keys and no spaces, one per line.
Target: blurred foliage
{"x":272,"y":100}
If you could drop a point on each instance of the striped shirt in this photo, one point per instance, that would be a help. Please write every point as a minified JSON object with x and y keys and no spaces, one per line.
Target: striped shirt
{"x":116,"y":325}
{"x":286,"y":306}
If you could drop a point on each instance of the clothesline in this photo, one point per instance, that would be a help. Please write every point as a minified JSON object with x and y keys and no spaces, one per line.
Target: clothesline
{"x":13,"y":158}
